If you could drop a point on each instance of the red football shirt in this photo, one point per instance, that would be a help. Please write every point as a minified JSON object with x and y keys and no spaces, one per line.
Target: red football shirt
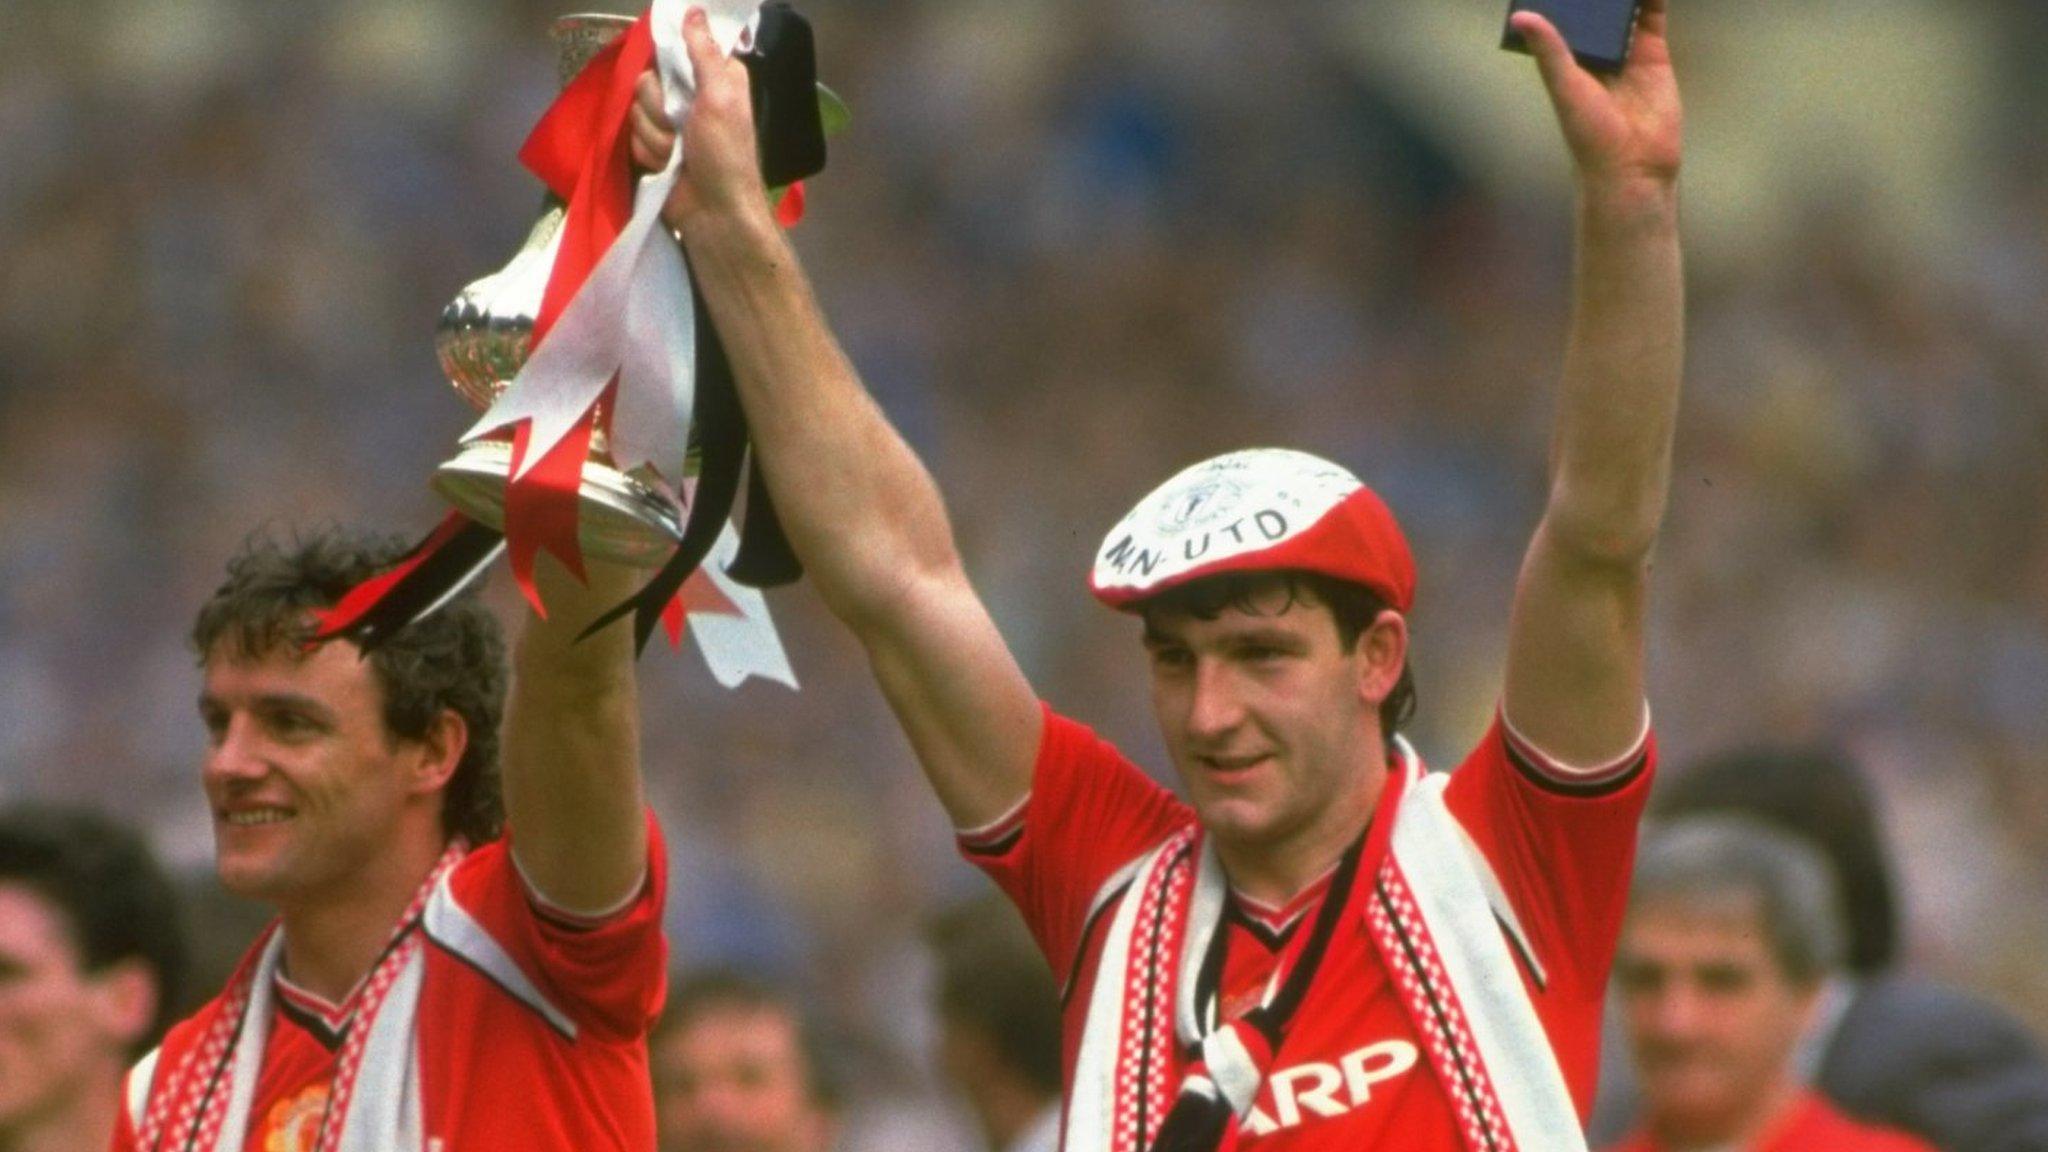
{"x":496,"y":1073}
{"x":1811,"y":1124}
{"x":1350,"y":1071}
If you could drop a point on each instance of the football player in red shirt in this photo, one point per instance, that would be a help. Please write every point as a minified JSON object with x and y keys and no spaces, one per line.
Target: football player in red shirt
{"x":455,"y":965}
{"x":1323,"y":946}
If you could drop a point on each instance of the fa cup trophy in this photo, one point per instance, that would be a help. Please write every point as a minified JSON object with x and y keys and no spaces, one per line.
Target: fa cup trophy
{"x":612,"y":427}
{"x":483,"y":339}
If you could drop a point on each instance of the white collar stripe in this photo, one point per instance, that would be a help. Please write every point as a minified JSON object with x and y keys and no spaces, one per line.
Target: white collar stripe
{"x":451,"y":926}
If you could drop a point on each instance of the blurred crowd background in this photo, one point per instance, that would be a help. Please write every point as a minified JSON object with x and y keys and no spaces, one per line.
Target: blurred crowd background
{"x":1074,"y":245}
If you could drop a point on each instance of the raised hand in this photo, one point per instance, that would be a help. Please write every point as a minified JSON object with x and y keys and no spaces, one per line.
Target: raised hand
{"x":721,"y":171}
{"x":1575,"y":676}
{"x":1624,"y":131}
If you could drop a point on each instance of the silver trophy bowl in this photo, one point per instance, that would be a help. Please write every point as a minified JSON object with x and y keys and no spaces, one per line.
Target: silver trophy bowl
{"x":483,"y":339}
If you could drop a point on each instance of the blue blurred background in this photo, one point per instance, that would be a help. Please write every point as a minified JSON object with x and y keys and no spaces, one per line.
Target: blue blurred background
{"x":1074,"y":245}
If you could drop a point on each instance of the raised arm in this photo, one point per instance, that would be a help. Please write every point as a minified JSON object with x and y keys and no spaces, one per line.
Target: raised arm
{"x":572,"y":748}
{"x":1575,"y":651}
{"x":859,"y":507}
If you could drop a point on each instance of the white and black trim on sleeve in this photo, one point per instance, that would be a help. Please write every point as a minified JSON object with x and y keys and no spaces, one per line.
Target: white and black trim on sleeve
{"x":998,"y":836}
{"x":1553,"y":775}
{"x":450,"y":925}
{"x":571,"y":918}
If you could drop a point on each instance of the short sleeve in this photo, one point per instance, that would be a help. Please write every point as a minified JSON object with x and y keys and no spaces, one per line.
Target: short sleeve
{"x":1561,"y":843}
{"x":609,"y":972}
{"x":1090,"y":812}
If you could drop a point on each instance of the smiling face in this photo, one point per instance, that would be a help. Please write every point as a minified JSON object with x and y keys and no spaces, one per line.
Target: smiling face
{"x":1272,"y":723}
{"x":308,"y":787}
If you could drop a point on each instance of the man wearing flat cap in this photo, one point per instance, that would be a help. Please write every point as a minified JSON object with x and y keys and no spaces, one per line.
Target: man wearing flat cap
{"x":1323,"y":946}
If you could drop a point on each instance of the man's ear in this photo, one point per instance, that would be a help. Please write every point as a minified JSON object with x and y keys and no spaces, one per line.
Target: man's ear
{"x":126,"y":995}
{"x":441,"y":748}
{"x":1382,"y":650}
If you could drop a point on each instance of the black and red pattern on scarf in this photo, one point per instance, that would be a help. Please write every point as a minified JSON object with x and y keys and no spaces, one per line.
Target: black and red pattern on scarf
{"x":1404,"y":939}
{"x":1146,"y":1050}
{"x":187,"y":1111}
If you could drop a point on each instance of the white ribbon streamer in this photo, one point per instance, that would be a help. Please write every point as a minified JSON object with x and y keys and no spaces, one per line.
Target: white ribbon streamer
{"x":737,"y":647}
{"x":633,"y":317}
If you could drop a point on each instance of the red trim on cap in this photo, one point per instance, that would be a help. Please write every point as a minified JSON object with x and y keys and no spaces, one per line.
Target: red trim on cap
{"x":1357,"y":541}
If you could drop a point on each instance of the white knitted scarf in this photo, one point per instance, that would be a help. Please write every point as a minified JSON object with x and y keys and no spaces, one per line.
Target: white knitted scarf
{"x":204,"y":1103}
{"x":1436,"y":914}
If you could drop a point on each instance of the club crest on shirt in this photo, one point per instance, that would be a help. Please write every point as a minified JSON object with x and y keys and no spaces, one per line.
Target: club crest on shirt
{"x":293,"y":1123}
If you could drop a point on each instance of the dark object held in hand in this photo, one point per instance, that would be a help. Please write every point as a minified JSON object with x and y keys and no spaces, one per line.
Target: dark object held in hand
{"x":1598,"y":31}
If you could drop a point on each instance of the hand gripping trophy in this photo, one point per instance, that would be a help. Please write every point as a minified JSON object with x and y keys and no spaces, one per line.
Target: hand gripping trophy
{"x":610,"y":424}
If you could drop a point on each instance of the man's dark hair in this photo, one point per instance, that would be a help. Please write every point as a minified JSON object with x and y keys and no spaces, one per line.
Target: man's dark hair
{"x":453,"y":659}
{"x":708,"y":992}
{"x":993,"y":980}
{"x":105,"y":884}
{"x":1353,"y":606}
{"x":1818,"y":795}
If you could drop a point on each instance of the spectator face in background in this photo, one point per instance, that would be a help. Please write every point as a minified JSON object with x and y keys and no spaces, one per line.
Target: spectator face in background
{"x":92,"y":949}
{"x":63,"y":1027}
{"x":1820,"y":796}
{"x":999,"y":1021}
{"x":1712,"y":1017}
{"x":1730,"y":932}
{"x":732,"y":1074}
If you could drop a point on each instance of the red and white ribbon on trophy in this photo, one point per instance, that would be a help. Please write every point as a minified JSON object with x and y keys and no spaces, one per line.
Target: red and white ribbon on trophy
{"x":618,"y":305}
{"x":619,"y":338}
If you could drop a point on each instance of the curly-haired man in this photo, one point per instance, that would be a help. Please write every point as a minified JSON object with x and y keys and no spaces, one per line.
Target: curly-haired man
{"x":451,"y":921}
